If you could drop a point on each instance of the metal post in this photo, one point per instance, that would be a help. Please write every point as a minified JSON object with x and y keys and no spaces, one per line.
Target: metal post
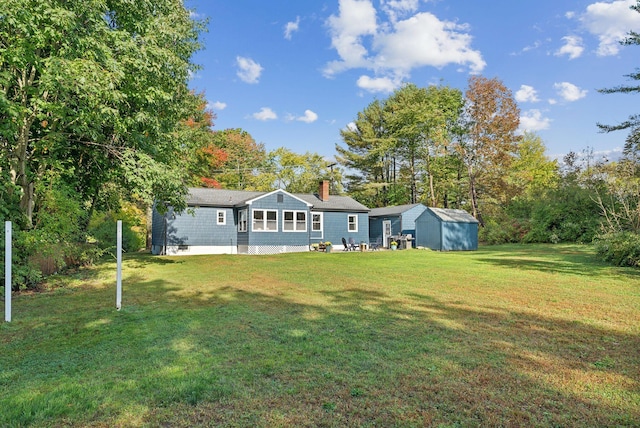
{"x":7,"y":271}
{"x":119,"y":269}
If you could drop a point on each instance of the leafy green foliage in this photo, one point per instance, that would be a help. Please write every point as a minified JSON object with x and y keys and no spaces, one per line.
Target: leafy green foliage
{"x":620,"y":249}
{"x":103,"y":229}
{"x":93,"y":91}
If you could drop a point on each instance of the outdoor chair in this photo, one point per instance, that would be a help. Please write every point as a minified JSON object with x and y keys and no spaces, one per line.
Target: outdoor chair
{"x":352,"y":244}
{"x":346,"y":246}
{"x":376,"y":245}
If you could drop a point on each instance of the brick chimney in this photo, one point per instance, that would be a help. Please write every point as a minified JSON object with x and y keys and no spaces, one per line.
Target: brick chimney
{"x":323,"y":190}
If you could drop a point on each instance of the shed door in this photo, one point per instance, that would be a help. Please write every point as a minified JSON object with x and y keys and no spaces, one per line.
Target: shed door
{"x":386,"y":232}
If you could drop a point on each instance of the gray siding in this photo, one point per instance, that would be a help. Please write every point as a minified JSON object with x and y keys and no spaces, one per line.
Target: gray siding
{"x":336,"y":227}
{"x":409,"y":218}
{"x":198,"y":227}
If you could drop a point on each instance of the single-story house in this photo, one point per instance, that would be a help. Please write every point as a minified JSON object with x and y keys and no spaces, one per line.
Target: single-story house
{"x":393,"y":221}
{"x":221,"y":221}
{"x":444,"y":229}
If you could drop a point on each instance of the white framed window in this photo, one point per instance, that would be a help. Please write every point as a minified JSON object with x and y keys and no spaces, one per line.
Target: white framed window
{"x":221,"y":217}
{"x":242,"y":221}
{"x":294,"y":221}
{"x":316,"y":222}
{"x":352,"y":221}
{"x":265,"y":221}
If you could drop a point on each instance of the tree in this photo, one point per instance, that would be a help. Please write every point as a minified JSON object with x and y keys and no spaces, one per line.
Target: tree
{"x":296,"y":173}
{"x":370,"y":153}
{"x":633,"y":122}
{"x":420,"y":121}
{"x":489,"y":139}
{"x":91,"y":92}
{"x":532,"y":172}
{"x":396,"y":142}
{"x":237,"y":158}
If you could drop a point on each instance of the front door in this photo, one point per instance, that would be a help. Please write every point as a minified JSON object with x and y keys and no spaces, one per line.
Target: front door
{"x":386,"y":232}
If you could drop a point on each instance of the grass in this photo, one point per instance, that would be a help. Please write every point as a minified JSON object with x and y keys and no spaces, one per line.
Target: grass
{"x":505,"y":336}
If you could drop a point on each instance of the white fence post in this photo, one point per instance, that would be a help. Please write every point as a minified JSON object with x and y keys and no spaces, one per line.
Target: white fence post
{"x":7,"y":271}
{"x":119,"y":269}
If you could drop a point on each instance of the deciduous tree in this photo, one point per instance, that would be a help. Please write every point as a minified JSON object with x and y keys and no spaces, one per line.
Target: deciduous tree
{"x":91,"y":91}
{"x":489,"y":140}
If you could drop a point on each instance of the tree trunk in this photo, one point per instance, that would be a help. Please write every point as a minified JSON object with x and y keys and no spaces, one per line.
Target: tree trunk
{"x":474,"y":197}
{"x":21,"y":178}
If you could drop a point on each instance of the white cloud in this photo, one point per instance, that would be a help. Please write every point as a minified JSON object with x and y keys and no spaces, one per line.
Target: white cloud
{"x":569,"y":91}
{"x":378,"y":84}
{"x":393,"y":48}
{"x":610,"y":22}
{"x":309,"y":117}
{"x":398,"y":8}
{"x":357,"y":18}
{"x":572,"y":47}
{"x":291,"y":28}
{"x":533,"y":121}
{"x":527,"y":93}
{"x":265,"y":114}
{"x":219,"y":106}
{"x":249,"y":71}
{"x":424,"y":40}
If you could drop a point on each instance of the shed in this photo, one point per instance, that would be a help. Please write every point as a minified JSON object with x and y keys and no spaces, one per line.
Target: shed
{"x":444,"y":229}
{"x":393,"y":221}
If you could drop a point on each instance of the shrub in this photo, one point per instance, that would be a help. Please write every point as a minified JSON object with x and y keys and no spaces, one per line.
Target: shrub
{"x":620,"y":248}
{"x":102,"y":229}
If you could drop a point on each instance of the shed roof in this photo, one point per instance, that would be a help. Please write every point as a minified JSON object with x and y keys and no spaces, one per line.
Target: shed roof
{"x":394,"y":210}
{"x":233,"y":198}
{"x":455,"y":216}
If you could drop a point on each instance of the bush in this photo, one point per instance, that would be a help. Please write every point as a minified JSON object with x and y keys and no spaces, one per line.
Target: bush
{"x":103,"y":225}
{"x":55,"y":243}
{"x":620,"y":248}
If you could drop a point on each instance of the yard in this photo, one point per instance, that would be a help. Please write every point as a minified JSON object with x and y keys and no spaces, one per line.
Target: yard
{"x":503,"y":336}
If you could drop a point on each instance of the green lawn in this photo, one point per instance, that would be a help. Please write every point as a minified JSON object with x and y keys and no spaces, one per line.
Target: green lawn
{"x":504,"y":336}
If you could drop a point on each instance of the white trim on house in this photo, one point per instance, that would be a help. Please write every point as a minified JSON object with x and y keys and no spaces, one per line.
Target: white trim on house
{"x":194,"y":250}
{"x":250,"y":201}
{"x":221,"y":220}
{"x":243,"y":220}
{"x":320,"y":214}
{"x":294,"y":221}
{"x":266,"y":222}
{"x":352,"y":223}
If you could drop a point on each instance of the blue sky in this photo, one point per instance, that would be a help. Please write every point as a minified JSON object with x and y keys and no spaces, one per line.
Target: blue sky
{"x":293,"y":73}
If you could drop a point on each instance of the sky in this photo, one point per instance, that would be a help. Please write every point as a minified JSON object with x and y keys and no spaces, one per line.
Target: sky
{"x":294,"y":73}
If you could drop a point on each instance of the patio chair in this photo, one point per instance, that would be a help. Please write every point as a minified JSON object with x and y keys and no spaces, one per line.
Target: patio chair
{"x":346,"y":246}
{"x":352,"y":245}
{"x":376,"y":245}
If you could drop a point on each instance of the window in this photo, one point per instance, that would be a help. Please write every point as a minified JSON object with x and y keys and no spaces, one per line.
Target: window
{"x":294,"y":221}
{"x":352,"y":221}
{"x":265,"y":221}
{"x":221,"y":217}
{"x":316,"y":222}
{"x":242,"y":221}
